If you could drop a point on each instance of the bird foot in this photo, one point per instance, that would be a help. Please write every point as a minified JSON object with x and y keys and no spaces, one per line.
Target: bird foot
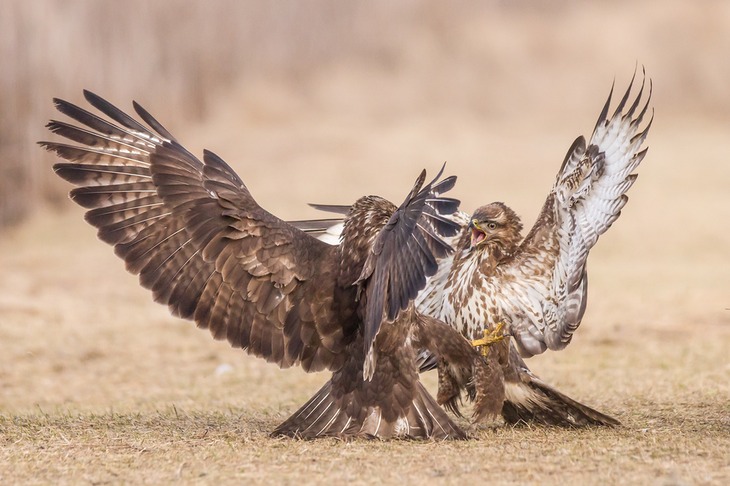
{"x":491,"y":336}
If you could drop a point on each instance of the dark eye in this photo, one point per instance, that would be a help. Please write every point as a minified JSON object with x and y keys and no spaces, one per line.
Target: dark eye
{"x":491,"y":225}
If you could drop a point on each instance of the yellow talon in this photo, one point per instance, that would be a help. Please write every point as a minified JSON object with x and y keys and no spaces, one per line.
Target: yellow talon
{"x":491,"y":336}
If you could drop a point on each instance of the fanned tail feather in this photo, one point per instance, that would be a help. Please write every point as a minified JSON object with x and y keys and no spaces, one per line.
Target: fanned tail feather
{"x":319,"y":417}
{"x":531,"y":400}
{"x":325,"y":415}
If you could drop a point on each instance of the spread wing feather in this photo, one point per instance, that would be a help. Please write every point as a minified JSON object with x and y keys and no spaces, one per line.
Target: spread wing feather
{"x":544,"y":288}
{"x":199,"y":241}
{"x":405,"y":253}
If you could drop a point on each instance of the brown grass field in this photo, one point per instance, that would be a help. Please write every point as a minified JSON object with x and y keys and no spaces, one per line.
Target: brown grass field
{"x":99,"y":385}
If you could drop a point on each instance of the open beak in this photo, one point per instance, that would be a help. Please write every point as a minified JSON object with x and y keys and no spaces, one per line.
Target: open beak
{"x":477,"y":234}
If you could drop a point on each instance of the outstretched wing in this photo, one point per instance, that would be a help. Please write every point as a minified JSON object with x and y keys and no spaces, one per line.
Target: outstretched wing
{"x":404,"y":254}
{"x":198,"y":240}
{"x":543,"y":290}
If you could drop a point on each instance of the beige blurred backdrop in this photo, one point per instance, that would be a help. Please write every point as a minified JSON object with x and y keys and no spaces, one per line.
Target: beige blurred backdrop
{"x":324,"y":101}
{"x":353,"y":92}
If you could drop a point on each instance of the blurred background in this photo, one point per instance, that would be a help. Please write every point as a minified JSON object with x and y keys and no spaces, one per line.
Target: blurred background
{"x":374,"y":86}
{"x":325,"y":101}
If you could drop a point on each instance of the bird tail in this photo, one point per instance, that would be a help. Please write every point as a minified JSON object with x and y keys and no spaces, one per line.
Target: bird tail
{"x":531,"y":400}
{"x":326,"y":415}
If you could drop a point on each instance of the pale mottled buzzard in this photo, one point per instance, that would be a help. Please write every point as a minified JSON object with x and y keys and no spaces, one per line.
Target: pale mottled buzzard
{"x":537,"y":286}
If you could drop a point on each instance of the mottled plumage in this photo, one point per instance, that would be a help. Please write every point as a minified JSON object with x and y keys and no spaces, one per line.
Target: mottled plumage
{"x":537,"y":285}
{"x":199,"y":241}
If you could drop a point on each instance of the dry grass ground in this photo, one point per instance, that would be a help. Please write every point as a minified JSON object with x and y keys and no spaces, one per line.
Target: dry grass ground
{"x":100,"y":385}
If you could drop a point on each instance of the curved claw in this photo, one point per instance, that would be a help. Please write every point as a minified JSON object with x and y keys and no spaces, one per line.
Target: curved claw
{"x":491,"y":336}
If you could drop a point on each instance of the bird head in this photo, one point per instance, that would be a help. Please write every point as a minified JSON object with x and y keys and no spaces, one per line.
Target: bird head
{"x":365,"y":220}
{"x":494,"y":224}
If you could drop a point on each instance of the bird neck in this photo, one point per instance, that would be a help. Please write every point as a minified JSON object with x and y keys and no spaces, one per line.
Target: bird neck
{"x":485,"y":257}
{"x":496,"y":252}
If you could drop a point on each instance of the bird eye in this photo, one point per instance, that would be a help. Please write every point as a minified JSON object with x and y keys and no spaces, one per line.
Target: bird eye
{"x":492,"y":225}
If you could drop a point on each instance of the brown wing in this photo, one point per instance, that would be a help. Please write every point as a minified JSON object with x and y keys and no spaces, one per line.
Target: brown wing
{"x":198,"y":240}
{"x":404,"y":255}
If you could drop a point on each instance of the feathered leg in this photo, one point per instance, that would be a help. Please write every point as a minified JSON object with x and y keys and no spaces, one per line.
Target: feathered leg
{"x":461,"y":366}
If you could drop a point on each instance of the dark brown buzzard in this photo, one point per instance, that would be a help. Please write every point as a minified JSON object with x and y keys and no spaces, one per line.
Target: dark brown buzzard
{"x":536,"y":287}
{"x":199,"y":241}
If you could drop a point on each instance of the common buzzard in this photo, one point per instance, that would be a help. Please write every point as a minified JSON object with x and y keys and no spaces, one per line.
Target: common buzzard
{"x":536,"y":287}
{"x":199,"y":241}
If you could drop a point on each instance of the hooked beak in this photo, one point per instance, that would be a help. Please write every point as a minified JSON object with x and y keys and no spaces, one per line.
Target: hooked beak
{"x":477,"y":234}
